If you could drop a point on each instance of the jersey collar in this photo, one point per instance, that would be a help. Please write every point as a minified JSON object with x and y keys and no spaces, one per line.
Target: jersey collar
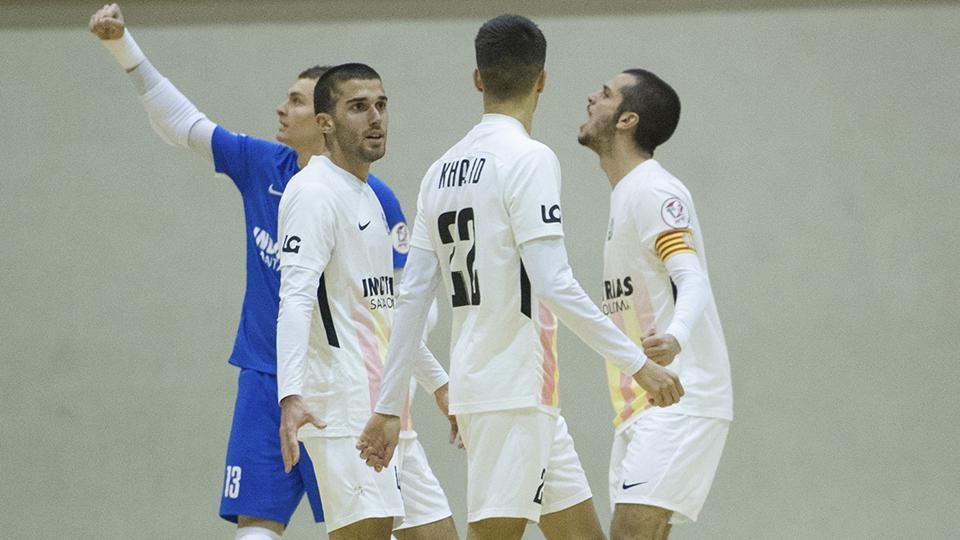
{"x":503,"y":120}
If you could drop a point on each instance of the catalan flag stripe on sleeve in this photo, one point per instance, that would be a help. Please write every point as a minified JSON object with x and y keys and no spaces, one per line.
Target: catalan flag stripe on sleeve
{"x":673,"y":242}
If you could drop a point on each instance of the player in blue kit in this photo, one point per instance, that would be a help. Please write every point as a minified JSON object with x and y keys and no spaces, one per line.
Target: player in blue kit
{"x":257,"y":494}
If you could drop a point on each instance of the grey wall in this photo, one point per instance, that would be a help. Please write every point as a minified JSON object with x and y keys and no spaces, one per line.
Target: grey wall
{"x":820,"y":144}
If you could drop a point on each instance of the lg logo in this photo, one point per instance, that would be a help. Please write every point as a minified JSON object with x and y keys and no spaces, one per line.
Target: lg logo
{"x":291,"y":244}
{"x":551,"y":216}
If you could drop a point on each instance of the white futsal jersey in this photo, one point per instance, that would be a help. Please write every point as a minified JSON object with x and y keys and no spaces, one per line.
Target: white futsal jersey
{"x":332,"y":222}
{"x":494,"y":190}
{"x":651,"y":219}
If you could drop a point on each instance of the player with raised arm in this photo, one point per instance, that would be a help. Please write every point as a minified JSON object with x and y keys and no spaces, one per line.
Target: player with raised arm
{"x":657,"y":291}
{"x":489,"y":226}
{"x":336,"y":308}
{"x":257,"y":494}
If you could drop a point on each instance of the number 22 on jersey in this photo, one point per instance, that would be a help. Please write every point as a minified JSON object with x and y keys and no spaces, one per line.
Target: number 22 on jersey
{"x":458,"y":231}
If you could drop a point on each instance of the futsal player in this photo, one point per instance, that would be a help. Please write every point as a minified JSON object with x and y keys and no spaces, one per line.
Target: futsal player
{"x":656,"y":289}
{"x":257,"y":494}
{"x":489,"y":226}
{"x":336,"y":308}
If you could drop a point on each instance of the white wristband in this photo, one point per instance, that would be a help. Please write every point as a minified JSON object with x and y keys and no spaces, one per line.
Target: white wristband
{"x":125,"y":50}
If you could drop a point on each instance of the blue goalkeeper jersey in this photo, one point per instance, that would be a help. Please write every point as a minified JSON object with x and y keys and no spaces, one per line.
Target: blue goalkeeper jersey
{"x":261,"y":169}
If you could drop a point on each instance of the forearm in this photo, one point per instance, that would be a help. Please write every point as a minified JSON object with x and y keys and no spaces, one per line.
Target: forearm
{"x":172,"y":116}
{"x":552,"y":282}
{"x":403,"y":354}
{"x":428,"y":371}
{"x":693,"y":291}
{"x":297,"y":295}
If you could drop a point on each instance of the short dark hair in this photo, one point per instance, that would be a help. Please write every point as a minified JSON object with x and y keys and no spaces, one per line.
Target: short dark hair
{"x":658,"y":106}
{"x":314,"y":72}
{"x":510,"y":51}
{"x":325,"y":91}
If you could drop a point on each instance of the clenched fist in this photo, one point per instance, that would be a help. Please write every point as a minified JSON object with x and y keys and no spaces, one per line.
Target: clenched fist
{"x":107,"y":22}
{"x":662,"y":385}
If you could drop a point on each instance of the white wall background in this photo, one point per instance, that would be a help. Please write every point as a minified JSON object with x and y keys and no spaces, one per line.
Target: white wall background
{"x":820,"y":144}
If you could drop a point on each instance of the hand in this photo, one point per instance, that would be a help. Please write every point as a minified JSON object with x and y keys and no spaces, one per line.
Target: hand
{"x":662,"y":385}
{"x":661,"y":348}
{"x":107,"y":22}
{"x":379,"y":439}
{"x":293,"y":415}
{"x":442,"y":395}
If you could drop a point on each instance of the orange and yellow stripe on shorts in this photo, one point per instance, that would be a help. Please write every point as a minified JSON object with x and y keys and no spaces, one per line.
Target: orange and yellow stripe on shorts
{"x":672,"y":243}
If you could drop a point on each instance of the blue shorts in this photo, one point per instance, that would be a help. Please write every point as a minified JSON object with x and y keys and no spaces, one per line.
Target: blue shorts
{"x":254,"y":482}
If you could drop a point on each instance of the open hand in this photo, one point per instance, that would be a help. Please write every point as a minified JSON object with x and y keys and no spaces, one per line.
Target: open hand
{"x":442,"y":395}
{"x":293,"y":415}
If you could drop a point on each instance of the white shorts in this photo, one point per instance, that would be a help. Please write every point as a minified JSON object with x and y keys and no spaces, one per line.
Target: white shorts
{"x":423,"y":499}
{"x":521,"y":463}
{"x":667,"y":460}
{"x":350,"y":490}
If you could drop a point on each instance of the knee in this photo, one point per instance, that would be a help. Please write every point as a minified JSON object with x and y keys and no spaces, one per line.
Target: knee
{"x":638,"y":525}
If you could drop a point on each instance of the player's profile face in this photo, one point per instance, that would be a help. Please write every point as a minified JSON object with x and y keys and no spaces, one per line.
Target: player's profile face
{"x":597,"y":132}
{"x":298,"y":126}
{"x":361,"y":118}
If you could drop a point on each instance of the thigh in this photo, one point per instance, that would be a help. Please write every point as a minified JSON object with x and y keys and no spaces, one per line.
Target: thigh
{"x":577,"y":522}
{"x":255,"y":484}
{"x":352,"y":491}
{"x":507,"y":456}
{"x":423,"y":499}
{"x":670,"y":462}
{"x":565,"y":482}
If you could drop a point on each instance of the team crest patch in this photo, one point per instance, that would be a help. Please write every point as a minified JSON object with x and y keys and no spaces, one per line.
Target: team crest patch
{"x":401,"y":238}
{"x":674,"y":213}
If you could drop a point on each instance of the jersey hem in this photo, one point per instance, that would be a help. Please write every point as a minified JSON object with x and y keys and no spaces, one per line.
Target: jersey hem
{"x":701,"y":413}
{"x":236,"y":363}
{"x":489,"y":406}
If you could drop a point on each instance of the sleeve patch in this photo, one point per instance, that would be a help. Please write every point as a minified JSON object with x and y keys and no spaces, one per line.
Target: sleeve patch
{"x":401,"y":238}
{"x":673,"y":242}
{"x":675,"y":214}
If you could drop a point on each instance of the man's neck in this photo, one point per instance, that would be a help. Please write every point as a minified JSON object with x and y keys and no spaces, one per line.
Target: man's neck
{"x":305,"y":153}
{"x":360,"y":169}
{"x":620,"y":160}
{"x":521,"y":109}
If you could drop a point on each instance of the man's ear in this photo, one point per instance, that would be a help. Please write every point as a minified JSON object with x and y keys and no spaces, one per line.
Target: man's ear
{"x":628,"y":120}
{"x":325,"y":123}
{"x":541,"y":81}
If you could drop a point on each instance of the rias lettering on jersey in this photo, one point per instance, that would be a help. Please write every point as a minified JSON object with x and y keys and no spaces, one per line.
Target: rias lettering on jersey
{"x":613,"y":292}
{"x":460,"y":172}
{"x":269,"y":249}
{"x":617,"y":288}
{"x":379,"y":291}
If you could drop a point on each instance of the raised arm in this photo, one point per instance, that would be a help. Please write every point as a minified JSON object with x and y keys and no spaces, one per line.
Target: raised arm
{"x":175,"y":119}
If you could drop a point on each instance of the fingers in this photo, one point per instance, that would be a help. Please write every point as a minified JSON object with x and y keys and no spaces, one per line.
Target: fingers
{"x":454,"y":429}
{"x":289,"y":448}
{"x":320,"y":424}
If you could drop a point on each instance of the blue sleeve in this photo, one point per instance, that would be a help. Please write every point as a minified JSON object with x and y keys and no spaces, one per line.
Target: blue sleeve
{"x":239,"y":156}
{"x":395,"y":220}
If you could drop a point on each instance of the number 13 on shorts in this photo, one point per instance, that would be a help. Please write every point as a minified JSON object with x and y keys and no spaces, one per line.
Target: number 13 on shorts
{"x":231,"y":484}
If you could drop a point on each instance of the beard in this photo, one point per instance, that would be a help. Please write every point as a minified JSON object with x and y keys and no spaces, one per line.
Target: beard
{"x":354,"y":143}
{"x":599,"y":138}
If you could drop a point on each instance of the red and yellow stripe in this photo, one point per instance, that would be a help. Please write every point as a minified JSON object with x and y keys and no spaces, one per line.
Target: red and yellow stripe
{"x":672,"y":243}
